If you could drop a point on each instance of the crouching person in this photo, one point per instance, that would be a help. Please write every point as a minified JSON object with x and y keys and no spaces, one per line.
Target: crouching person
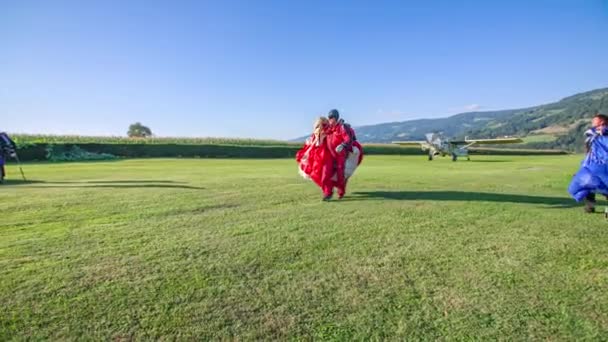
{"x":592,"y":177}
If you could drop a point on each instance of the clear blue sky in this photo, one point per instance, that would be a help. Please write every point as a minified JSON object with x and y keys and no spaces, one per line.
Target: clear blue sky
{"x":266,"y":69}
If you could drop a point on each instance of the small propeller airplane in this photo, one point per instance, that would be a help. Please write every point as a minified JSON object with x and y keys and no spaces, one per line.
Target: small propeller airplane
{"x":437,"y":144}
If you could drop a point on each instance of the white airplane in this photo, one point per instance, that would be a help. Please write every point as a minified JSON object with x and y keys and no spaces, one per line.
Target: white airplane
{"x":436,"y":144}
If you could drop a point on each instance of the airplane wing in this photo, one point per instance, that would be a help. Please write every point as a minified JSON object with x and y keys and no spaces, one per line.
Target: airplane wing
{"x":496,"y":141}
{"x":493,"y":141}
{"x":410,"y":143}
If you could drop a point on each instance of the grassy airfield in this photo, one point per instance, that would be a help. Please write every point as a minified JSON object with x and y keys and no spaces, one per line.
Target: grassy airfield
{"x":224,"y":249}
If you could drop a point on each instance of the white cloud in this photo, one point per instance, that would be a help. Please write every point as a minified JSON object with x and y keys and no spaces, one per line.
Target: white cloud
{"x":472,"y":107}
{"x":468,"y":108}
{"x":390,"y":115}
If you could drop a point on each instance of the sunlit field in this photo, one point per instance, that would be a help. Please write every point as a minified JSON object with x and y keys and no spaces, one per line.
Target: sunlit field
{"x":245,"y":249}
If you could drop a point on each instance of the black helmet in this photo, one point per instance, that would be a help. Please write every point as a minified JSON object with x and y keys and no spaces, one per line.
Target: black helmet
{"x":333,"y":114}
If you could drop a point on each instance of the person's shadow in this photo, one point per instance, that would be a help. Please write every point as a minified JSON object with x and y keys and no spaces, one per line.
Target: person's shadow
{"x":19,"y":181}
{"x":560,"y":202}
{"x":117,"y":184}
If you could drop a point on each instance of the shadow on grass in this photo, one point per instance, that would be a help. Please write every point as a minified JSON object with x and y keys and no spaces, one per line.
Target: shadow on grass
{"x":119,"y":184}
{"x":489,"y":161}
{"x":123,"y":186}
{"x":20,"y":182}
{"x":134,"y":181}
{"x":559,"y":202}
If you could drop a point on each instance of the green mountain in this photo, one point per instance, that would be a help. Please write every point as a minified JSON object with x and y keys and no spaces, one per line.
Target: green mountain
{"x":558,"y":125}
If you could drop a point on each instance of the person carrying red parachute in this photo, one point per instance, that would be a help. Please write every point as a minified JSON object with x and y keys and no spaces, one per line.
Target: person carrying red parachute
{"x":331,"y":155}
{"x":346,"y":151}
{"x":314,"y":159}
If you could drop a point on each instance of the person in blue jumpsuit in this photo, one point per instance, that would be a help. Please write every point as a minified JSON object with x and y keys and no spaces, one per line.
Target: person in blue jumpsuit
{"x":7,"y":149}
{"x":592,"y":177}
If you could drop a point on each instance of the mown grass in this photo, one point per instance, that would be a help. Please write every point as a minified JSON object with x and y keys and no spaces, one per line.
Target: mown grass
{"x":245,"y":249}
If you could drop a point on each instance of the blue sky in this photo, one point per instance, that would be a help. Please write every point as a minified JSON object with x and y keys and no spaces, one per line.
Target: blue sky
{"x":266,"y":69}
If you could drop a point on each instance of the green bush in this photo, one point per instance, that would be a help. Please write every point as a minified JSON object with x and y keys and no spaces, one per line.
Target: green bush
{"x":74,"y":153}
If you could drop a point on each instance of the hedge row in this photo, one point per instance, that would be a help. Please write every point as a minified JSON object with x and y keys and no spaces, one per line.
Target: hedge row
{"x":515,"y":151}
{"x":25,"y":139}
{"x":39,"y":151}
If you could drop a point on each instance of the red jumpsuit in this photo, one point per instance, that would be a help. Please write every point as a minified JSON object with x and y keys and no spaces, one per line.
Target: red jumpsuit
{"x":338,"y":135}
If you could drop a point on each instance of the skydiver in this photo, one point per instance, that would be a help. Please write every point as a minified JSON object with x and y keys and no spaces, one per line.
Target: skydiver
{"x":592,"y":177}
{"x":340,"y":143}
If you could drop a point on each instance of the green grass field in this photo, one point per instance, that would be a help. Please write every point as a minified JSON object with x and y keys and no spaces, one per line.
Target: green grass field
{"x":244,"y":249}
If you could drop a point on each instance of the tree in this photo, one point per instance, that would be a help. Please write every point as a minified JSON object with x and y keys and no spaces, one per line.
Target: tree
{"x":137,"y":130}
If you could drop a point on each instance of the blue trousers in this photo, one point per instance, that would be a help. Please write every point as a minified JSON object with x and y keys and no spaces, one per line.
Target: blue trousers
{"x":590,"y":179}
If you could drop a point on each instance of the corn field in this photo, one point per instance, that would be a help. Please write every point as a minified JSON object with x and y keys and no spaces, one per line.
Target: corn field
{"x":27,"y":139}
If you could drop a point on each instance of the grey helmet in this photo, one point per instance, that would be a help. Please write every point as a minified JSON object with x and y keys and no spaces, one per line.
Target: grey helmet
{"x":333,"y":114}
